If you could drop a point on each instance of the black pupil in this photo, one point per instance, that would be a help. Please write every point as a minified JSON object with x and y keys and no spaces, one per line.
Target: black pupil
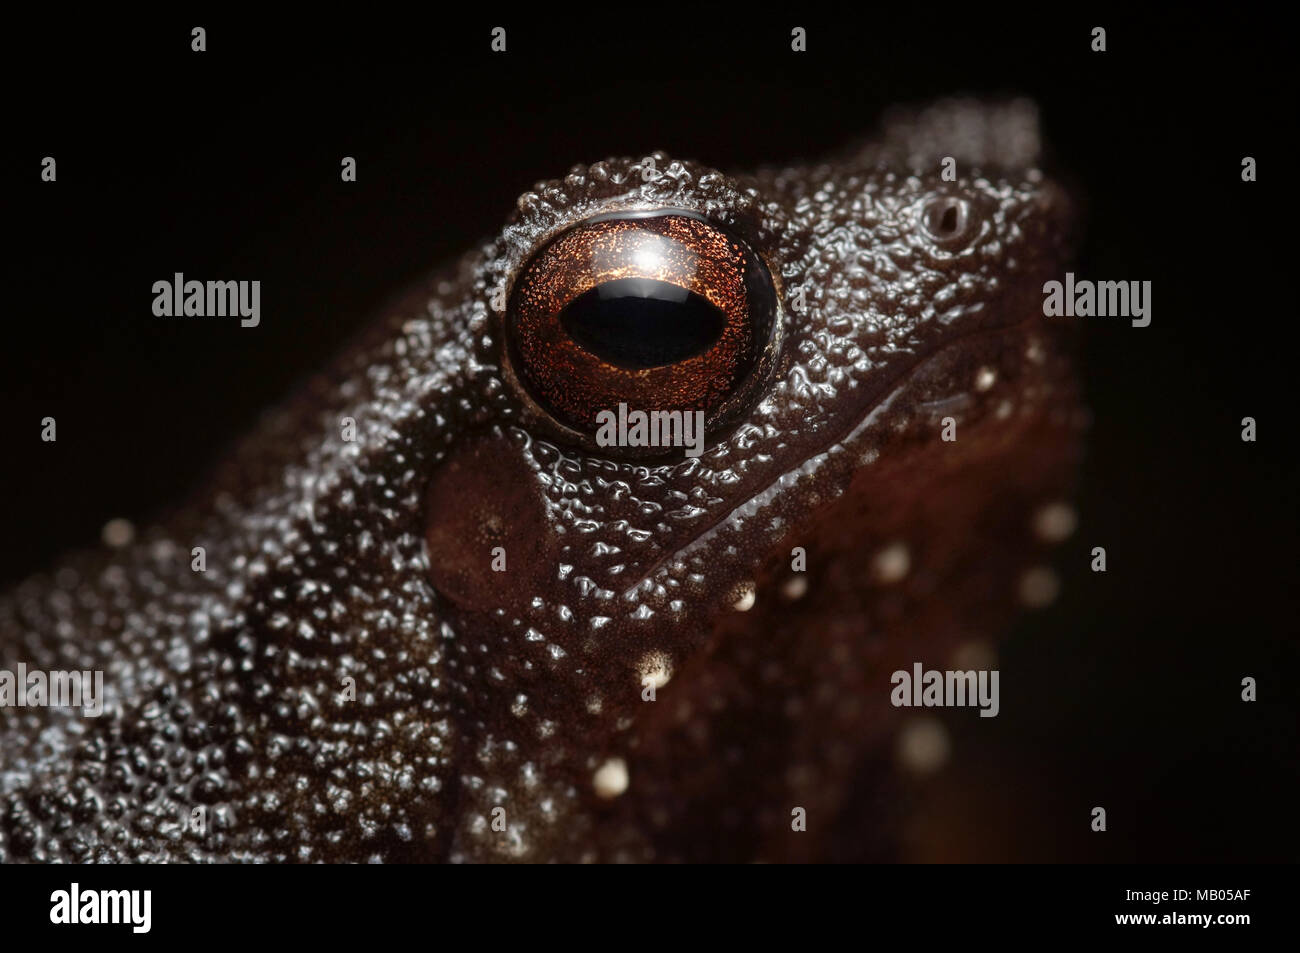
{"x":639,"y":322}
{"x":945,"y":219}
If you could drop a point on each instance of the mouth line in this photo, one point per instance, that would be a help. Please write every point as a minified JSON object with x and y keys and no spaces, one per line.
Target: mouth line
{"x":888,"y":390}
{"x":881,"y":400}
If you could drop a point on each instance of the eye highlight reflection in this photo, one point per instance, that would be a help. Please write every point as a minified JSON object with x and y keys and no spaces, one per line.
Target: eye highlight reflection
{"x":662,"y":311}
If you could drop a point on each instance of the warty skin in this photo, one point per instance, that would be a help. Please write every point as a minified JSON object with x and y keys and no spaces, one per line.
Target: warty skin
{"x":333,"y":563}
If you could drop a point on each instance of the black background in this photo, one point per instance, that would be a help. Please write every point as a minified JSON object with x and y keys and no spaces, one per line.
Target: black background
{"x":225,"y":164}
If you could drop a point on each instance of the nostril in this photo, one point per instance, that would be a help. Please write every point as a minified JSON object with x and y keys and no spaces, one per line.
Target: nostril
{"x":946,"y":219}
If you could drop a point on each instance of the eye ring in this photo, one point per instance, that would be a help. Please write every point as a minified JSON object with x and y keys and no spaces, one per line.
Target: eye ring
{"x":948,"y":220}
{"x":661,"y":310}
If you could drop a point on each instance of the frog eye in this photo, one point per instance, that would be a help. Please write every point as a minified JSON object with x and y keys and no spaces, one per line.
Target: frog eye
{"x":948,"y":220}
{"x":660,"y":311}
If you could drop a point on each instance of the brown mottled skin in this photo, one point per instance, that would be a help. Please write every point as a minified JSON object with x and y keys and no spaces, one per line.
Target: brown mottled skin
{"x":370,"y":559}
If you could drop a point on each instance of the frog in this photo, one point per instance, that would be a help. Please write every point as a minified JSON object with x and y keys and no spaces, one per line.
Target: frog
{"x":420,"y":615}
